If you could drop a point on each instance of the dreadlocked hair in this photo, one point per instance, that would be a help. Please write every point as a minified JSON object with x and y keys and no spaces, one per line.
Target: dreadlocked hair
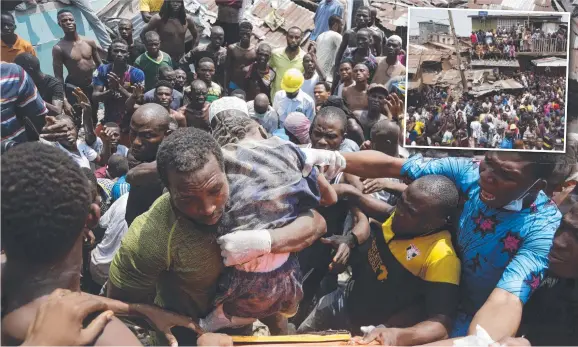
{"x":232,"y":126}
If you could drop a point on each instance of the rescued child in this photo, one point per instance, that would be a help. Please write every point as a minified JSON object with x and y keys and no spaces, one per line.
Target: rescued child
{"x":267,"y":190}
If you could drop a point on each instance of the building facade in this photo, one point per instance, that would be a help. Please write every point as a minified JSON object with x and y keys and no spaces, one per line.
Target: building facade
{"x":426,"y":29}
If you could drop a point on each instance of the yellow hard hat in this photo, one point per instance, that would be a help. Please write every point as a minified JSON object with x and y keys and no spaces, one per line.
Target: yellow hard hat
{"x":292,"y":80}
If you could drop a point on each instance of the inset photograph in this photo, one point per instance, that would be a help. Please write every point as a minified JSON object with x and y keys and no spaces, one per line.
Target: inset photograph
{"x":487,"y":79}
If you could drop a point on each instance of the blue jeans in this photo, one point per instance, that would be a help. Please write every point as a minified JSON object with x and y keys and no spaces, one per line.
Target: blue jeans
{"x":95,"y":23}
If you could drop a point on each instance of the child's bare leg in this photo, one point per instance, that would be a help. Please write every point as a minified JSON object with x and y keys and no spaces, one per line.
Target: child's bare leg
{"x":277,"y":324}
{"x":218,"y":320}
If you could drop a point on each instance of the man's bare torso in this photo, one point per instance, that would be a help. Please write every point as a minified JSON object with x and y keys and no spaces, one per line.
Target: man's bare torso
{"x":172,"y":33}
{"x":77,"y":56}
{"x":240,"y":58}
{"x":356,"y":99}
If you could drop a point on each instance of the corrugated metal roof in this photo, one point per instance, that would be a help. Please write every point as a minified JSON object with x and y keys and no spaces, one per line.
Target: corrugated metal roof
{"x":390,"y":15}
{"x":550,"y":61}
{"x":293,"y":15}
{"x":521,"y":5}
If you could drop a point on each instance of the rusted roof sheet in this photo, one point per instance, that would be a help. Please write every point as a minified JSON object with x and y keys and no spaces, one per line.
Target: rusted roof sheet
{"x":390,"y":15}
{"x":520,"y":5}
{"x":293,"y":15}
{"x":486,"y":88}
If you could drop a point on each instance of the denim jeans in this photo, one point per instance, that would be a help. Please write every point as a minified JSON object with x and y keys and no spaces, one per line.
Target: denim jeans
{"x":96,"y":24}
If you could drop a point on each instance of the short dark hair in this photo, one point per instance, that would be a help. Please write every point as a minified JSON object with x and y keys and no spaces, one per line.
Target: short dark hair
{"x":164,"y":83}
{"x":117,"y":165}
{"x":151,"y":35}
{"x":332,"y":112}
{"x":64,"y":10}
{"x":206,"y":60}
{"x":6,"y":13}
{"x":231,"y":126}
{"x":293,"y":28}
{"x":442,"y":190}
{"x":333,"y":19}
{"x":364,"y":8}
{"x":543,"y":163}
{"x":28,"y":62}
{"x":246,"y":25}
{"x":324,"y":84}
{"x":119,"y":40}
{"x":45,"y":203}
{"x":187,"y":150}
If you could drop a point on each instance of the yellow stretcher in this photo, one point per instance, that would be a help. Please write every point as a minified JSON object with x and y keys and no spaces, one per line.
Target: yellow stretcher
{"x":328,"y":338}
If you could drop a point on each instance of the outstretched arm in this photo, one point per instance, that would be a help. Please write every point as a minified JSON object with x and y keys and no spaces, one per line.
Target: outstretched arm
{"x":373,"y":164}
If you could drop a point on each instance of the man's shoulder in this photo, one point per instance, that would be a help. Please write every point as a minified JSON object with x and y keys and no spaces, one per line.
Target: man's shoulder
{"x":156,"y":220}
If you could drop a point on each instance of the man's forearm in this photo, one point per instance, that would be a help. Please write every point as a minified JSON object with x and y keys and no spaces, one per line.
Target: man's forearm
{"x":372,"y":164}
{"x":425,"y":332}
{"x":374,"y":208}
{"x":500,"y":315}
{"x":299,"y":234}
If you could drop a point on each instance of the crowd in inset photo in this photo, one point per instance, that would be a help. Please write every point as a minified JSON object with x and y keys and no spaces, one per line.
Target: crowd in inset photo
{"x":506,"y":42}
{"x":530,"y":119}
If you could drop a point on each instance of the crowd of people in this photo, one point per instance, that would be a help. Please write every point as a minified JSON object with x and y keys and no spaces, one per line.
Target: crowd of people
{"x":533,"y":118}
{"x":504,"y":43}
{"x":234,"y":182}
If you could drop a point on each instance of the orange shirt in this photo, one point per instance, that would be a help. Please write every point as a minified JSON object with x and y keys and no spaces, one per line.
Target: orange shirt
{"x":20,"y":46}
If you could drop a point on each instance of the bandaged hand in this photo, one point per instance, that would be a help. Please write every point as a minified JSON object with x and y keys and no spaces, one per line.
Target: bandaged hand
{"x":332,"y":161}
{"x":242,"y":246}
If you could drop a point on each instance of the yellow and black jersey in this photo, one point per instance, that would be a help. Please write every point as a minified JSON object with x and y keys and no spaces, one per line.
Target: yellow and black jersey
{"x":389,"y":274}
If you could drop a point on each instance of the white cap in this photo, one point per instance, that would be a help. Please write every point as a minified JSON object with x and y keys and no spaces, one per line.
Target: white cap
{"x":227,"y":103}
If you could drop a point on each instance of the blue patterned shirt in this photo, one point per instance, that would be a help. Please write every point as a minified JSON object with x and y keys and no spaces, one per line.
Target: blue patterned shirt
{"x":498,"y":248}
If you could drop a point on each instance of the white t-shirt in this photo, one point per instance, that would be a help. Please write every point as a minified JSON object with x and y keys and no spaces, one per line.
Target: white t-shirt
{"x":309,"y":85}
{"x":114,"y":223}
{"x":476,"y":129}
{"x":81,"y":159}
{"x":327,"y":45}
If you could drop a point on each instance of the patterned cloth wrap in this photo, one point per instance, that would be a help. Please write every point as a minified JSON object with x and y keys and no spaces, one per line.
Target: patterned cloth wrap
{"x":267,"y":191}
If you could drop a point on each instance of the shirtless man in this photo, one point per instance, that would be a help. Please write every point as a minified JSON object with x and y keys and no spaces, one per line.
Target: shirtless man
{"x":378,"y":31}
{"x":172,"y":23}
{"x":164,"y":97}
{"x":80,"y":56}
{"x":356,"y":95}
{"x":362,"y":20}
{"x":196,"y":113}
{"x":239,"y":55}
{"x":389,"y":66}
{"x":376,"y":98}
{"x":214,"y":50}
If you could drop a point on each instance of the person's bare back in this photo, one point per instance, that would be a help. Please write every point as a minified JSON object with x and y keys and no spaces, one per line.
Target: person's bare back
{"x":356,"y":99}
{"x":78,"y":57}
{"x":16,"y":322}
{"x":238,"y":58}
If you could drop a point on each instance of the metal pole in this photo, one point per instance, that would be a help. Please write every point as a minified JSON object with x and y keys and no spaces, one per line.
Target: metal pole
{"x":458,"y":53}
